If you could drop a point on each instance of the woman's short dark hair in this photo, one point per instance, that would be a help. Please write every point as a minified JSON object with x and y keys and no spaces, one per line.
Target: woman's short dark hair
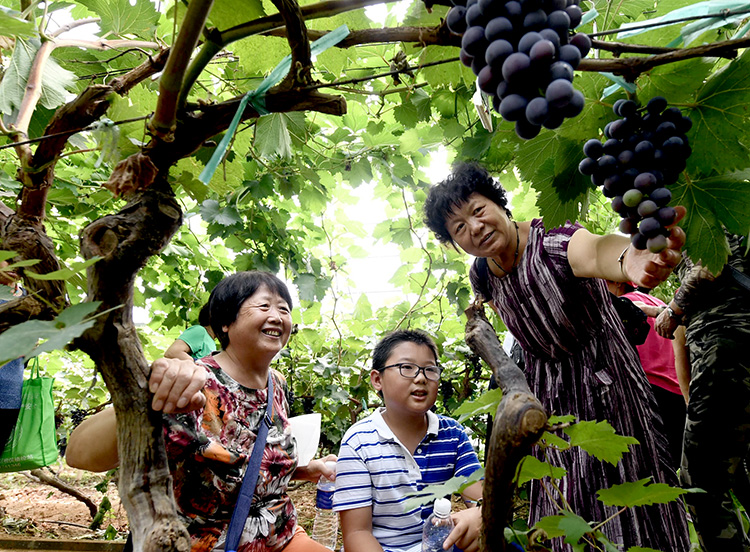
{"x":386,"y":345}
{"x":454,"y":191}
{"x":229,"y":295}
{"x":204,"y":316}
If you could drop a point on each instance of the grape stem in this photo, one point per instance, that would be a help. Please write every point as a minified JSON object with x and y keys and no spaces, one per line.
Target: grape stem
{"x":632,"y":67}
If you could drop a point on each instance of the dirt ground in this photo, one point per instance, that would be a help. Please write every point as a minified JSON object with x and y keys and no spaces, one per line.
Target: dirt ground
{"x":29,"y":508}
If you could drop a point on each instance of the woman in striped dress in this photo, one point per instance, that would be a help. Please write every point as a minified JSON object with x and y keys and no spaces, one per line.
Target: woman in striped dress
{"x":547,"y":287}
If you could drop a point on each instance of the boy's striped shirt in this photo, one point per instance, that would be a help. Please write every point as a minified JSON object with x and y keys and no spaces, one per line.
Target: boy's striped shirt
{"x":375,"y":469}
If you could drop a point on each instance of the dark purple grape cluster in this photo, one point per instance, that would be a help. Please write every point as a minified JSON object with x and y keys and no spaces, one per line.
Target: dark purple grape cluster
{"x":77,"y":416}
{"x":646,"y":150}
{"x":524,"y":57}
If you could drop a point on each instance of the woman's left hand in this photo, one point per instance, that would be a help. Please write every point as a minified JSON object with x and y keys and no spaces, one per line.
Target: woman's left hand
{"x":648,"y":269}
{"x":465,"y":534}
{"x":316,"y":468}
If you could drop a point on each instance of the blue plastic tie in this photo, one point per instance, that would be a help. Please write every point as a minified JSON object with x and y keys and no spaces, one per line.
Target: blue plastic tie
{"x":257,"y":97}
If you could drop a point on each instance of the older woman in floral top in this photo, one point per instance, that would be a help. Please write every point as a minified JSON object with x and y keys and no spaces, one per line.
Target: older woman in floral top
{"x":209,"y":446}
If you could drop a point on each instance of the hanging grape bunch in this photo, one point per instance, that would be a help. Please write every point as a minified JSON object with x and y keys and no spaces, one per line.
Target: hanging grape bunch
{"x":646,"y":150}
{"x":523,"y":56}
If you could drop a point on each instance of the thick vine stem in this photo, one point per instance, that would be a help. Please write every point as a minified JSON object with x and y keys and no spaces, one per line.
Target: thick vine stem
{"x":623,"y":47}
{"x":519,"y":423}
{"x":125,"y":241}
{"x":197,"y":125}
{"x":164,"y":120}
{"x":301,"y":68}
{"x":630,"y":68}
{"x":217,"y":40}
{"x":419,"y":36}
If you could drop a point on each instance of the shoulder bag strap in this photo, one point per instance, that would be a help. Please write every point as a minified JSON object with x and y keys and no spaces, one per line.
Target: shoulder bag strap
{"x":741,"y":278}
{"x":242,"y":508}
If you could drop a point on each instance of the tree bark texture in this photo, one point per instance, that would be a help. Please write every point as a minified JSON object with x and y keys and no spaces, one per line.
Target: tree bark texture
{"x":300,"y":72}
{"x":125,"y":241}
{"x":519,"y":423}
{"x":46,"y":298}
{"x":23,"y":230}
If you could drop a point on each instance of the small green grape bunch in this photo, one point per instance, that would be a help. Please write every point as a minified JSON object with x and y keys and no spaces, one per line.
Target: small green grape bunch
{"x":645,"y":151}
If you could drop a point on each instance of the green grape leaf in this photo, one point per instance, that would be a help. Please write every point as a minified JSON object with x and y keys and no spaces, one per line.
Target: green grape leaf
{"x":311,"y":287}
{"x":675,"y":81}
{"x":22,"y":340}
{"x":551,"y":526}
{"x":599,"y":440}
{"x":552,"y":440}
{"x":6,"y":293}
{"x":608,"y":546}
{"x":554,"y":211}
{"x":551,"y":163}
{"x":639,"y":493}
{"x":55,"y":80}
{"x":533,"y":468}
{"x":11,"y":24}
{"x":363,"y":308}
{"x":452,"y":74}
{"x":211,"y":211}
{"x":64,"y":273}
{"x":721,"y":119}
{"x":406,"y":114}
{"x":474,"y":147}
{"x":4,"y":256}
{"x":23,"y":264}
{"x":487,"y":403}
{"x":230,"y":13}
{"x":566,"y":419}
{"x":121,"y":17}
{"x":711,"y":202}
{"x":272,"y":137}
{"x":575,"y":528}
{"x":642,"y":549}
{"x":455,"y":485}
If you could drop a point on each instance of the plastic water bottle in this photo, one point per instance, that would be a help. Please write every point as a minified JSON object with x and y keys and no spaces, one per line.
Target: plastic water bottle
{"x":437,"y":527}
{"x":326,"y":524}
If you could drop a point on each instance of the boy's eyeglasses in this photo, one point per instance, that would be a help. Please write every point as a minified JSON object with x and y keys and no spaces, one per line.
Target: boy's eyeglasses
{"x":411,"y":370}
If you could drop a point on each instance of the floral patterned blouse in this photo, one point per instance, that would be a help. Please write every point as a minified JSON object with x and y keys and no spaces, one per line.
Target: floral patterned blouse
{"x":209,"y":450}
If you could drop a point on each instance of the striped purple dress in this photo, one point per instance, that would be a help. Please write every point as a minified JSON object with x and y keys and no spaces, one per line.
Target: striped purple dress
{"x":578,"y":361}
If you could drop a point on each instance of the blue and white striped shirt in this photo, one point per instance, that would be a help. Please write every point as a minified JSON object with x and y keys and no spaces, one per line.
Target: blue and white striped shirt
{"x":375,"y":469}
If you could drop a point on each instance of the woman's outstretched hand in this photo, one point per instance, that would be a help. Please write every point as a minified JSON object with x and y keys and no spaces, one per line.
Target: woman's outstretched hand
{"x":648,"y":269}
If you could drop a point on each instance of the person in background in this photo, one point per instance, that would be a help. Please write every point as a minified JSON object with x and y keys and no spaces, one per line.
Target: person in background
{"x":224,"y":399}
{"x":667,"y":370}
{"x":546,"y":285}
{"x":399,"y":450}
{"x":716,"y":312}
{"x":195,"y":342}
{"x":11,"y":373}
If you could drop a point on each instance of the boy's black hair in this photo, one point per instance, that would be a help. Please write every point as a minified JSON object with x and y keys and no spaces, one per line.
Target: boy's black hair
{"x":386,"y":345}
{"x":454,"y":191}
{"x":204,"y":316}
{"x":229,"y":294}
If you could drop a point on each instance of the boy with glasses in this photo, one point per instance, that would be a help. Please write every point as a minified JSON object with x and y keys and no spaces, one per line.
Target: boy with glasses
{"x":399,"y":450}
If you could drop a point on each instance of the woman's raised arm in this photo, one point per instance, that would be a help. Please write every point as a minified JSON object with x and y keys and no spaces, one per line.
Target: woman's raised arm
{"x":611,"y":257}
